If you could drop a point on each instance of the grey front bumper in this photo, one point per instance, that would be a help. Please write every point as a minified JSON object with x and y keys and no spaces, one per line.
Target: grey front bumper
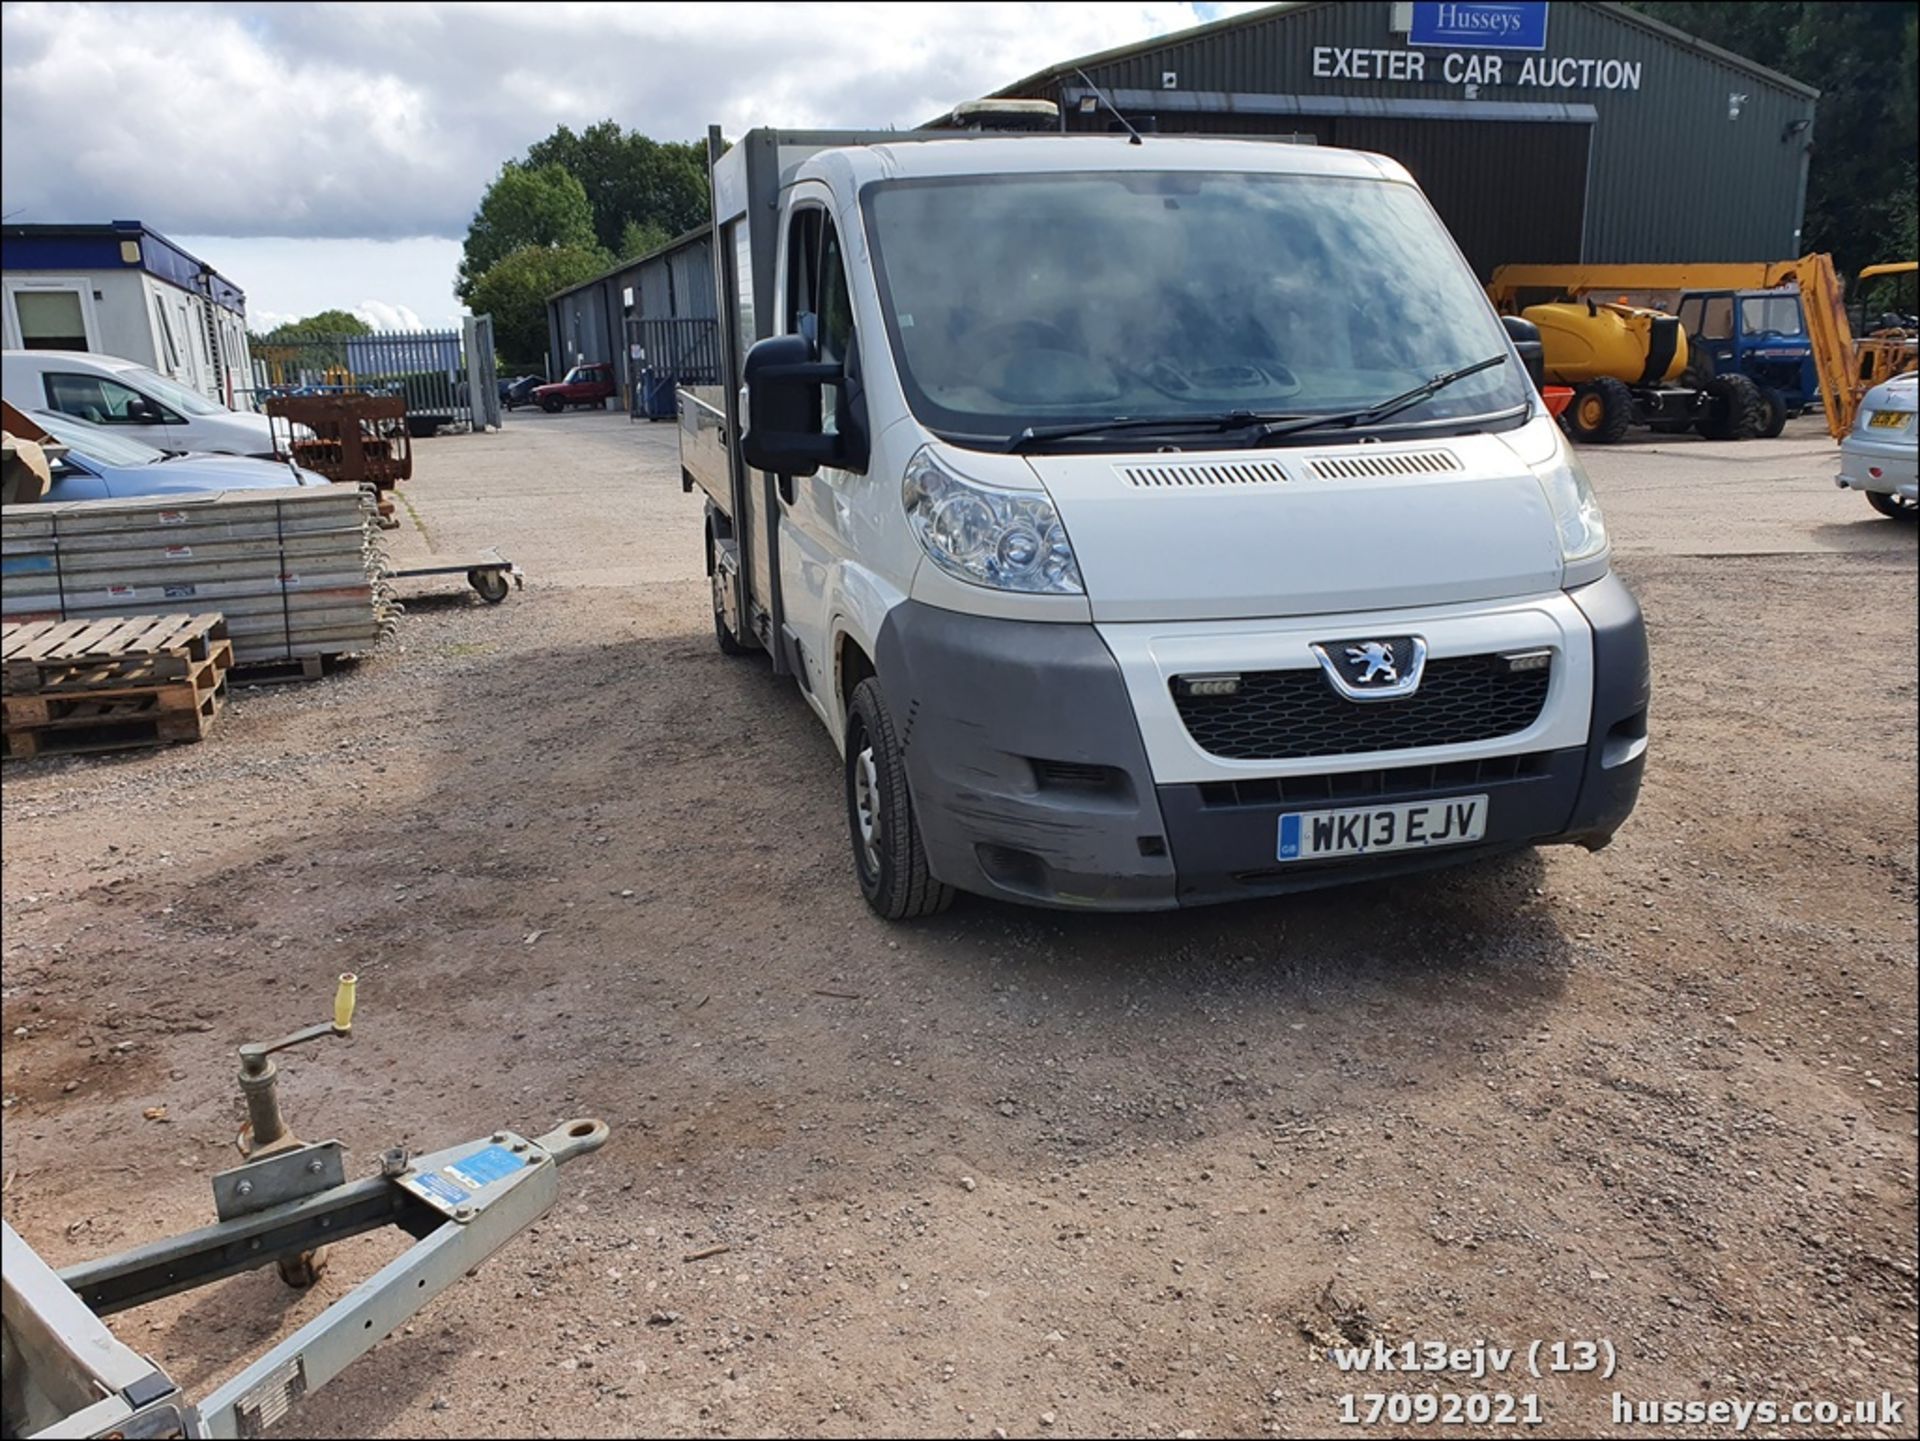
{"x":1030,"y":781}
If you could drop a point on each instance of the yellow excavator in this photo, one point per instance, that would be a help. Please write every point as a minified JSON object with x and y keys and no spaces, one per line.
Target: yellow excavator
{"x":1629,"y":363}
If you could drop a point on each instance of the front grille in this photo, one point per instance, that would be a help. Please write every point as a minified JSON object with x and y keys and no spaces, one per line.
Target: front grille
{"x":1292,"y":714}
{"x":1384,"y":784}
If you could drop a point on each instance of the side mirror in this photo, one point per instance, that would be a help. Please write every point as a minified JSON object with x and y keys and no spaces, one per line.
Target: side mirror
{"x":783,"y":407}
{"x":1525,"y":336}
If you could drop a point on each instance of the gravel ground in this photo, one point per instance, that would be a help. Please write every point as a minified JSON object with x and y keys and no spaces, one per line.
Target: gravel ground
{"x":1006,"y":1169}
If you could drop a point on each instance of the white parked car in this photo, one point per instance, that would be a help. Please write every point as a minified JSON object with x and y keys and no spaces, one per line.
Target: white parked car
{"x":1879,"y":455}
{"x":105,"y":390}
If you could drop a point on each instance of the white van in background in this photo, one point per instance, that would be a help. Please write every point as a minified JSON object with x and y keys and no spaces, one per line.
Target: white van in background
{"x":104,"y":390}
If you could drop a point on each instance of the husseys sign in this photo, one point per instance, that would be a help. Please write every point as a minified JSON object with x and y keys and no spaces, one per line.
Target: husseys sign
{"x":1479,"y":25}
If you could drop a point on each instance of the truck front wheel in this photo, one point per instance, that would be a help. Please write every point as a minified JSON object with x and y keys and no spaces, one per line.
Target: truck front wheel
{"x":1773,"y":418}
{"x":1601,"y":411}
{"x":888,"y":857}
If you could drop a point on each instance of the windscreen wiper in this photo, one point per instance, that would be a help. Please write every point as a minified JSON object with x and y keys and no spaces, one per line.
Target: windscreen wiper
{"x":1373,"y":414}
{"x":1270,"y":424}
{"x":1221,"y":421}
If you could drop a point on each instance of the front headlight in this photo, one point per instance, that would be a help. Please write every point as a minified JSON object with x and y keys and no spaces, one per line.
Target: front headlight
{"x":1006,"y":539}
{"x":1583,"y":533}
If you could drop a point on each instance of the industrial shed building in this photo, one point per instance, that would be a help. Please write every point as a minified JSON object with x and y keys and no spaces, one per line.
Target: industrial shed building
{"x":1542,"y":132}
{"x":637,"y":314}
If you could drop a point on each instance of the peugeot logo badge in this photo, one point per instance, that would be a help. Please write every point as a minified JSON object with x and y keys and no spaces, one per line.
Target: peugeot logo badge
{"x":1377,"y":668}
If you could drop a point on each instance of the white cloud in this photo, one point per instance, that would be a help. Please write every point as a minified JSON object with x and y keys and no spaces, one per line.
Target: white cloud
{"x":387,"y":120}
{"x":383,"y":316}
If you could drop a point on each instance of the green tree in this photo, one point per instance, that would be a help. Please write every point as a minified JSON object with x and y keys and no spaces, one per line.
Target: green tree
{"x":629,"y":177}
{"x":326,"y":322}
{"x":637,"y":238}
{"x":515,"y":288}
{"x":1861,"y":57}
{"x":313,"y":342}
{"x":538,"y":205}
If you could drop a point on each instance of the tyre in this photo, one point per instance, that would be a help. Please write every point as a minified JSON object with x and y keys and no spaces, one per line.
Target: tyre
{"x":1893,"y":507}
{"x":1773,"y":413}
{"x":888,"y":857}
{"x":1735,"y":410}
{"x":1601,"y":411}
{"x":553,"y":405}
{"x":723,"y":634}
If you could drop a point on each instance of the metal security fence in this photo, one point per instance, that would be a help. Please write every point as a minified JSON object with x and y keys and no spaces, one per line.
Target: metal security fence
{"x":685,"y":350}
{"x":446,"y":377}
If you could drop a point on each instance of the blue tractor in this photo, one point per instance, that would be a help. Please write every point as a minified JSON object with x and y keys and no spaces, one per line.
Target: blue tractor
{"x":1761,"y":334}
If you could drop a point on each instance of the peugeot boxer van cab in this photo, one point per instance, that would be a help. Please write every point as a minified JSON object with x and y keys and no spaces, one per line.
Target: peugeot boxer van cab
{"x":1151,"y":523}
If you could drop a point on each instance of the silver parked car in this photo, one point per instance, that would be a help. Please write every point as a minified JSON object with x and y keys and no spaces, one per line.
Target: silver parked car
{"x":1882,"y":452}
{"x":104,"y":465}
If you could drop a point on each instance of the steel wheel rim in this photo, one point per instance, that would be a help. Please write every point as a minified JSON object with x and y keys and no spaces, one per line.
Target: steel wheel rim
{"x":866,"y":807}
{"x":1592,"y":409}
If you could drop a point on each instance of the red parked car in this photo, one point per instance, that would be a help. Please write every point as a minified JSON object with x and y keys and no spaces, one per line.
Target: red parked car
{"x":583,"y":385}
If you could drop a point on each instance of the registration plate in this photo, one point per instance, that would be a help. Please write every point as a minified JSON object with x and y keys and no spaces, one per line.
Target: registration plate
{"x":1371,"y":830}
{"x":1889,"y":419}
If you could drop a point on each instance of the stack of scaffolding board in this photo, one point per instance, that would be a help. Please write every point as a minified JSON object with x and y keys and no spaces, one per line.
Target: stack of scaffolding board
{"x":298,"y":573}
{"x":91,"y":685}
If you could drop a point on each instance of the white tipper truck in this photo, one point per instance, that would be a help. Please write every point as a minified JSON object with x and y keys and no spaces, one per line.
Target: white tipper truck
{"x":1150,"y":522}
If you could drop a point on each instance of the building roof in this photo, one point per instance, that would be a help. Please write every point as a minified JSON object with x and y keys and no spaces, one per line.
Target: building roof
{"x":1065,"y":68}
{"x":102,"y":247}
{"x":699,"y":232}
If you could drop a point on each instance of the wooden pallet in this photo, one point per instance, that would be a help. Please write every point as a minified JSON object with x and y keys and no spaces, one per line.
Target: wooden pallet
{"x":182,"y":693}
{"x":77,"y":723}
{"x":117,"y":652}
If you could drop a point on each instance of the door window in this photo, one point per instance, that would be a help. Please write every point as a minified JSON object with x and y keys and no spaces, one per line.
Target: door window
{"x":50,"y":319}
{"x":835,"y":323}
{"x":103,"y":402}
{"x":1717,"y":323}
{"x":803,"y":269}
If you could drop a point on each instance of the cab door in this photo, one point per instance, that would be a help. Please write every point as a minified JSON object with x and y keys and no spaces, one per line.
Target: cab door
{"x":816,"y":511}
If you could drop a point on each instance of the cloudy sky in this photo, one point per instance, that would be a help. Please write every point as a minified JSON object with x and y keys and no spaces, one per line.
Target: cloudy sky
{"x":331,"y":155}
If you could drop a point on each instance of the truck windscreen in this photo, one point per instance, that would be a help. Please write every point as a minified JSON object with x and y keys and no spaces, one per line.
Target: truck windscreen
{"x":1057,"y":298}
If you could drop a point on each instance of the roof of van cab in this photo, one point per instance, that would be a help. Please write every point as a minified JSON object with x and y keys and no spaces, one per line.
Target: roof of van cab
{"x":1043,"y":154}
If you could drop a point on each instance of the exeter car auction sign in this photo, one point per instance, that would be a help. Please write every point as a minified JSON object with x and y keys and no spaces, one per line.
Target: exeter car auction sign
{"x":1479,"y":25}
